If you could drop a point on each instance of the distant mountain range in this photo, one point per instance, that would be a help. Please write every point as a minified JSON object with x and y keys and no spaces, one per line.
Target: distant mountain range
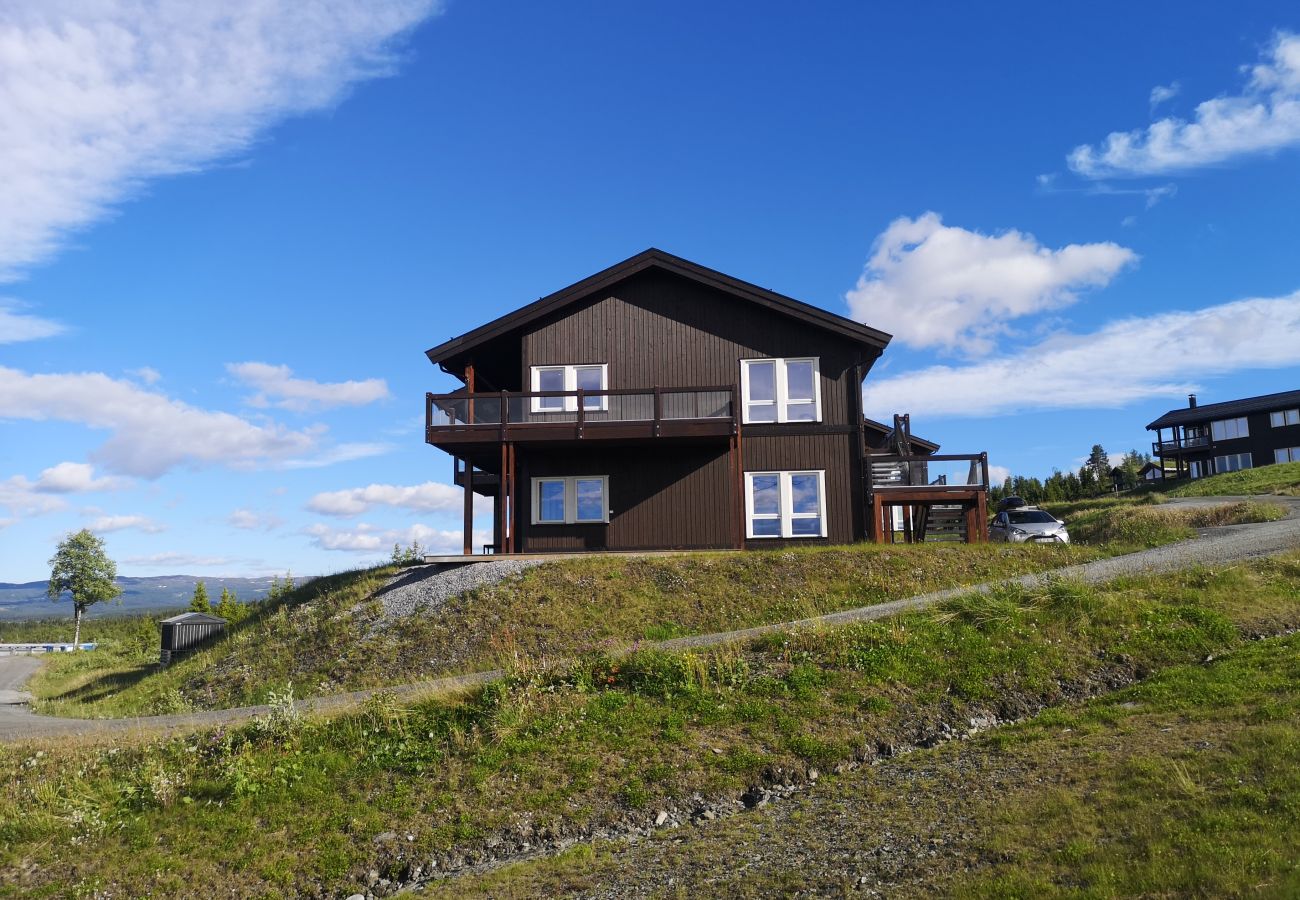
{"x":28,"y":601}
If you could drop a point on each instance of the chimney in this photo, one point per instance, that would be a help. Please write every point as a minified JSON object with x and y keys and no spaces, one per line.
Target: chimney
{"x":1191,"y":401}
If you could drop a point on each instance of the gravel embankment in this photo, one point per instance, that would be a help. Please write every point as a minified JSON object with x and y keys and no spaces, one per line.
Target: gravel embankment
{"x":426,"y":588}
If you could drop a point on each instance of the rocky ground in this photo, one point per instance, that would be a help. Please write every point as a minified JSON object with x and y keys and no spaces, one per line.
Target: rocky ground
{"x":426,"y":588}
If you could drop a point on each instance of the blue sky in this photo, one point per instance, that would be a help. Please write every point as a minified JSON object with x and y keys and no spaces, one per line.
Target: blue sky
{"x":227,"y":236}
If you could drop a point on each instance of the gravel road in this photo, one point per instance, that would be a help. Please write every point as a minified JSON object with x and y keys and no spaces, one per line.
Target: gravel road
{"x":1213,"y":546}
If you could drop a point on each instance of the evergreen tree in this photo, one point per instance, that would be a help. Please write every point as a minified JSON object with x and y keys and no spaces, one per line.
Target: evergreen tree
{"x":229,"y":607}
{"x":80,"y":567}
{"x":199,"y":602}
{"x":1099,"y":463}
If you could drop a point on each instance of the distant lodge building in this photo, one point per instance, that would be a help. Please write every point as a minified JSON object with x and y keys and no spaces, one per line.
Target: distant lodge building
{"x":1226,"y":437}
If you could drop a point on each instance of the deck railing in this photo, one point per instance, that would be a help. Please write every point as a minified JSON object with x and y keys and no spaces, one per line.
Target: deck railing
{"x":939,"y":472}
{"x":581,"y":409}
{"x":1180,"y":443}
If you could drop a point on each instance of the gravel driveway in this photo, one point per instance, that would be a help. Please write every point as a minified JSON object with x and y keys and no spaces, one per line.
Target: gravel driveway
{"x":1213,"y":546}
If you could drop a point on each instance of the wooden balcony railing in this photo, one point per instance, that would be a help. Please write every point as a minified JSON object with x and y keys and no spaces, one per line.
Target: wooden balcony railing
{"x":576,"y":415}
{"x":938,"y":473}
{"x":1173,"y":445}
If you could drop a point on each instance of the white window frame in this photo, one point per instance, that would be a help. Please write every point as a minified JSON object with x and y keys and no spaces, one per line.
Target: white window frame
{"x":599,"y":403}
{"x":570,"y":483}
{"x":1284,"y":417}
{"x":1240,"y":427}
{"x":785,"y":512}
{"x":1286,"y":454}
{"x":781,"y":384}
{"x":1221,"y":464}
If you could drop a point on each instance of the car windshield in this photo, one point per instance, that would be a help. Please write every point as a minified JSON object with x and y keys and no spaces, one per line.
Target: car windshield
{"x":1030,"y":517}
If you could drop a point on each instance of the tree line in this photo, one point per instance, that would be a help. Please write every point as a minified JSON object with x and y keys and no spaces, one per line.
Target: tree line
{"x":1093,"y":479}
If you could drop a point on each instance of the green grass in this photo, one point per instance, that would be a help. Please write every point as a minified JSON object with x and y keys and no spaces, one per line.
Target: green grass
{"x":1138,"y":526}
{"x":294,"y":807}
{"x":327,"y":637}
{"x":1281,"y":478}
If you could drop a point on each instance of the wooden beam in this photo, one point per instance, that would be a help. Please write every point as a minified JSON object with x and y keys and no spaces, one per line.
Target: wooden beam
{"x":514,"y":500}
{"x":469,"y":507}
{"x":501,"y":510}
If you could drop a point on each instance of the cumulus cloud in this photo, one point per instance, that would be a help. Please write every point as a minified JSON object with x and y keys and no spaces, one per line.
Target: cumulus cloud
{"x":1127,"y":360}
{"x":18,"y":326}
{"x":1264,"y":117}
{"x":151,"y":433}
{"x":1163,"y":93}
{"x":106,"y":524}
{"x":250,"y":520}
{"x":147,"y":374}
{"x":366,"y":538}
{"x":276,"y":386}
{"x":173,"y":560}
{"x":935,"y":285}
{"x":101,"y":97}
{"x":426,"y":498}
{"x":26,"y":497}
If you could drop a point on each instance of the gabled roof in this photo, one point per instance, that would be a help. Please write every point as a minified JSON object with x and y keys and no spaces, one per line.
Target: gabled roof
{"x":195,"y":618}
{"x":653,"y":258}
{"x":886,"y":429}
{"x":1189,"y":415}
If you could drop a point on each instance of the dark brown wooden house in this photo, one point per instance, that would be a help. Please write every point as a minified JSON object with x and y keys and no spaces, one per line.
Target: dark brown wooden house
{"x":1200,"y":440}
{"x":662,"y":405}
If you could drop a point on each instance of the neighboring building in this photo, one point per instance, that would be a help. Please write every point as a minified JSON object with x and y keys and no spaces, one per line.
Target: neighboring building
{"x":1152,"y":471}
{"x":662,"y":405}
{"x":1225,"y":437}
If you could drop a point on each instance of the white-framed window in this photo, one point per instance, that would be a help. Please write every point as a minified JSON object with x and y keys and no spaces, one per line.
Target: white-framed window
{"x":785,"y":504}
{"x":593,"y":377}
{"x":1287,"y":454}
{"x":1195,"y":468}
{"x":1233,"y":462}
{"x":1284,"y":417}
{"x":568,"y":500}
{"x":781,"y":390}
{"x":1227,"y":429}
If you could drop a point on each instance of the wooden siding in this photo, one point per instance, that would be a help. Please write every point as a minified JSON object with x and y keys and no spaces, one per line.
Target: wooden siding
{"x":1260,"y":443}
{"x":661,"y":496}
{"x":845,"y":519}
{"x":656,"y":328}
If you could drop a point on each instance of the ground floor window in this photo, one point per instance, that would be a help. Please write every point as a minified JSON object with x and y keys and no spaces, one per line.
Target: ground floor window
{"x":571,"y":499}
{"x":785,"y":504}
{"x":1287,"y":454}
{"x":1194,"y":468}
{"x":1233,"y":462}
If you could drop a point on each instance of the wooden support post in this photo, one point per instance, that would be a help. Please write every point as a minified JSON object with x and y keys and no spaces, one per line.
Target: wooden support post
{"x":469,"y":507}
{"x":739,"y":482}
{"x":877,"y":513}
{"x":502,"y":501}
{"x":982,"y":511}
{"x":469,"y":389}
{"x":514,"y":500}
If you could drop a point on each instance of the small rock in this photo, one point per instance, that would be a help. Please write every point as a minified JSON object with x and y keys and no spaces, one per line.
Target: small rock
{"x":813,"y":774}
{"x":384,"y":837}
{"x":372,"y":876}
{"x":661,"y":818}
{"x":357,"y":897}
{"x":717,"y":751}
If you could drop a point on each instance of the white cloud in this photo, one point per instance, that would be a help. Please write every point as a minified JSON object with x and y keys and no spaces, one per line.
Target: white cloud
{"x":1163,"y":93}
{"x":276,"y":386}
{"x":998,"y":474}
{"x":106,"y":524}
{"x":147,"y":374}
{"x":18,"y":326}
{"x":1127,"y":360}
{"x":426,"y":498}
{"x":338,"y":454}
{"x":930,"y":284}
{"x":173,"y":560}
{"x":151,"y":432}
{"x":100,"y":97}
{"x":365,"y":538}
{"x":250,"y":520}
{"x":24,"y":496}
{"x":1264,"y":117}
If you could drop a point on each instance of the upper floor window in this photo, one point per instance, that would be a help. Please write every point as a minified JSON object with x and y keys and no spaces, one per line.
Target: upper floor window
{"x":572,"y":379}
{"x":781,"y":390}
{"x":1227,"y":429}
{"x":1284,"y":417}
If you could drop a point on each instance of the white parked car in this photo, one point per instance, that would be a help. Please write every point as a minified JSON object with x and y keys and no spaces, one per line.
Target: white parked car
{"x":1028,"y":523}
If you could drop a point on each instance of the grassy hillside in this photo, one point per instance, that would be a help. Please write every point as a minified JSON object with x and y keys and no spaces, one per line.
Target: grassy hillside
{"x":292,"y":806}
{"x":1281,"y":478}
{"x":330,"y":636}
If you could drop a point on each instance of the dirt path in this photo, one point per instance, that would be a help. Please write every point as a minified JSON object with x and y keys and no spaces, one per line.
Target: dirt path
{"x":1214,"y":546}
